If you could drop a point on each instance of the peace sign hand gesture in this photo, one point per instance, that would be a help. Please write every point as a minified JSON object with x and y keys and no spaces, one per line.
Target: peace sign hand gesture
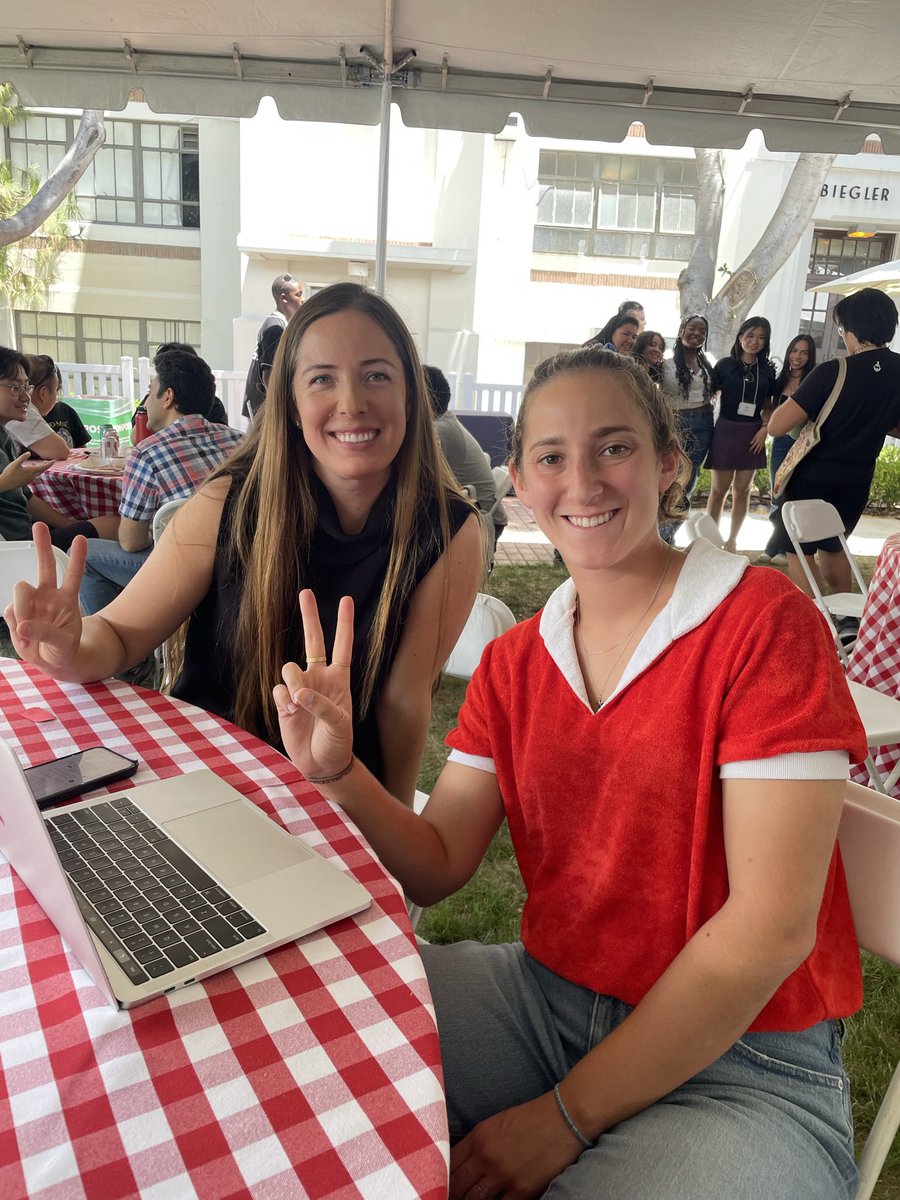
{"x":45,"y":621}
{"x":315,"y":712}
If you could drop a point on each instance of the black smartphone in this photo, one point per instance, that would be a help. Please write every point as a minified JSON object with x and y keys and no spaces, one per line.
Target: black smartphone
{"x":62,"y":778}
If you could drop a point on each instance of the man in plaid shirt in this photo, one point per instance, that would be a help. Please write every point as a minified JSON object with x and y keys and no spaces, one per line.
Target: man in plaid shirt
{"x":181,"y":451}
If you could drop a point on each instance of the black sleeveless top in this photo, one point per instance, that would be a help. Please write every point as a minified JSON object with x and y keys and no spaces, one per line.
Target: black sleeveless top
{"x":339,"y":564}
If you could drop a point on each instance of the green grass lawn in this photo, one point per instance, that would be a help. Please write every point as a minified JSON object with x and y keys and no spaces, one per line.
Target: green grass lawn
{"x":488,"y":908}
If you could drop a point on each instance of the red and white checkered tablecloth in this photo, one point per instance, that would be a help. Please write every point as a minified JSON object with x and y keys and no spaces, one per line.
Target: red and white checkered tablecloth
{"x":77,"y":493}
{"x":312,"y":1072}
{"x":875,"y":660}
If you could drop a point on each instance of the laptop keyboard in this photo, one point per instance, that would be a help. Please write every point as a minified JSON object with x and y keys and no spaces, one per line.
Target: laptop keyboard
{"x":150,"y":904}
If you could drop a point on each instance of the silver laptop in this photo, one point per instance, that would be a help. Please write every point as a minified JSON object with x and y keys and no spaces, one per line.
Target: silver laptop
{"x":157,"y":886}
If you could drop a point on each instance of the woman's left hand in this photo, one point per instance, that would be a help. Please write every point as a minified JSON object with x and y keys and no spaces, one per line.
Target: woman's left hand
{"x":515,"y":1154}
{"x":315,"y":711}
{"x":758,"y":442}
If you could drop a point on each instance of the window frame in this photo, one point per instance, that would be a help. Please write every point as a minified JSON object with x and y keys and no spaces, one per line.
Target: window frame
{"x":609,"y":177}
{"x":145,"y":347}
{"x":134,"y":192}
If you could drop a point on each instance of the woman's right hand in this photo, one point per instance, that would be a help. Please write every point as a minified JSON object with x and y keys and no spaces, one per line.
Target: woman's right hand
{"x":21,"y":471}
{"x":45,"y":621}
{"x":315,"y":711}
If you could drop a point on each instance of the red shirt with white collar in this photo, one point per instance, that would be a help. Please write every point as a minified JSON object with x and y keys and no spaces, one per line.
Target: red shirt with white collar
{"x":616,"y":816}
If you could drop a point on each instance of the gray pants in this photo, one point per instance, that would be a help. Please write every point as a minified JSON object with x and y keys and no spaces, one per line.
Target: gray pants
{"x":769,"y":1120}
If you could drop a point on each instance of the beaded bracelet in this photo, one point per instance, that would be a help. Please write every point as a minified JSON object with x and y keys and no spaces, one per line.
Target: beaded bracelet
{"x":564,"y":1113}
{"x":334,"y":778}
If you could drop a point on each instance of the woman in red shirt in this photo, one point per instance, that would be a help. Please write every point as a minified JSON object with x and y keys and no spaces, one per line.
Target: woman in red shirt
{"x":668,"y":1026}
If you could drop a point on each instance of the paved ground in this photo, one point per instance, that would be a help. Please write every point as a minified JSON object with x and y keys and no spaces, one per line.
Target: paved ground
{"x":523,"y":544}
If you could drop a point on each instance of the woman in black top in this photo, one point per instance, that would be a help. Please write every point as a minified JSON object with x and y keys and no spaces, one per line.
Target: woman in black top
{"x":799,"y":360}
{"x":745,"y":382}
{"x":340,"y":485}
{"x":841,"y":467}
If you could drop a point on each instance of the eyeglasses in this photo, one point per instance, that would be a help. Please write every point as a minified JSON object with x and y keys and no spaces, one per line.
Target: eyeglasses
{"x":17,"y":389}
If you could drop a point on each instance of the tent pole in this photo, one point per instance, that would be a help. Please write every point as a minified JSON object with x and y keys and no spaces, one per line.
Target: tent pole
{"x":384,"y":150}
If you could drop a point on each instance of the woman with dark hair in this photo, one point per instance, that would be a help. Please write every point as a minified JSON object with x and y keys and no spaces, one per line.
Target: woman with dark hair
{"x":799,"y":360}
{"x":619,"y":333}
{"x":745,"y":381}
{"x":840,"y":468}
{"x":338,"y":486}
{"x":668,"y":1024}
{"x":649,"y":351}
{"x":687,"y":385}
{"x":46,"y":383}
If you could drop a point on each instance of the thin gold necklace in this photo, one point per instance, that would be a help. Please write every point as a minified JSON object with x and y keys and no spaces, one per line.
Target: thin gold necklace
{"x":598,"y":692}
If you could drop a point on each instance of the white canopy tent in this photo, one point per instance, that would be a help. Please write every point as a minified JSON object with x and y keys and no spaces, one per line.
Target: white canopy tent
{"x":816,"y":75}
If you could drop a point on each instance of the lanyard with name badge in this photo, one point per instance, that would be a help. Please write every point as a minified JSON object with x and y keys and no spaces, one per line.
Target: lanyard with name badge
{"x":747,"y":408}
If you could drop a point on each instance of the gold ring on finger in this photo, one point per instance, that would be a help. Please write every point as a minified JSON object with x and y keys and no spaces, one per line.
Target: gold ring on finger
{"x":310,"y":661}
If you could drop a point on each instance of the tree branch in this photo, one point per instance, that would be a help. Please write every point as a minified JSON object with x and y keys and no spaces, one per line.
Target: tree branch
{"x":90,"y":137}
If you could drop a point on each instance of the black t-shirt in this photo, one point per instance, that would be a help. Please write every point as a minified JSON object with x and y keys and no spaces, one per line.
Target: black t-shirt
{"x":340,"y":564}
{"x":867,"y":409}
{"x":64,"y":420}
{"x":740,"y":382}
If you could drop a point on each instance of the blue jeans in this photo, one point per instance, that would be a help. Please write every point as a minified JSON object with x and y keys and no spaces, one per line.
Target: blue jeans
{"x":695,"y":428}
{"x":107,"y":570}
{"x":769,"y":1120}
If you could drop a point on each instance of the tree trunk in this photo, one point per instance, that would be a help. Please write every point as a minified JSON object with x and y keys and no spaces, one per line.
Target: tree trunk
{"x":696,"y":282}
{"x":732,"y":303}
{"x":90,"y":137}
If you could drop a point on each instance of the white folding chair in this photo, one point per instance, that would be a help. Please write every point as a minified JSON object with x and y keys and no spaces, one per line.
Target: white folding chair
{"x":18,"y":561}
{"x":880,"y":717}
{"x":701,"y":525}
{"x":488,"y":619}
{"x":812,"y":521}
{"x":869,"y":837}
{"x":164,"y":515}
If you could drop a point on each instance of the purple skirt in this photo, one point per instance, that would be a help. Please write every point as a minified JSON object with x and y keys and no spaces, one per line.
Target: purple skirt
{"x":730,"y":449}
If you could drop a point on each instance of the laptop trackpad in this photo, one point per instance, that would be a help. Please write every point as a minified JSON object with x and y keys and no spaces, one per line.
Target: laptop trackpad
{"x":236,"y":843}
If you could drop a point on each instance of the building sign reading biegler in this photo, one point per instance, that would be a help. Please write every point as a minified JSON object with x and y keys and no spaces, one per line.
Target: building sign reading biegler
{"x":854,"y":191}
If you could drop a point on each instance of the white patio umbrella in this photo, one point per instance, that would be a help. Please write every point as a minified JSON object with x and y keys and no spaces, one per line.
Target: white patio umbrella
{"x":884,"y":276}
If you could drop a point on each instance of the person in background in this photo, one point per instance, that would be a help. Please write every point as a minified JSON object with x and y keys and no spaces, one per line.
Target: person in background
{"x":668,"y":1026}
{"x":467,"y":460}
{"x":288,"y":296}
{"x":841,"y":467}
{"x":182,"y":448}
{"x":339,"y":485}
{"x":799,"y":360}
{"x":633,"y":308}
{"x":217,"y":414}
{"x":46,"y":383}
{"x":649,"y":351}
{"x":268,"y":344}
{"x":745,"y":381}
{"x":619,"y":333}
{"x":19,"y":508}
{"x":31,"y":431}
{"x":687,"y":384}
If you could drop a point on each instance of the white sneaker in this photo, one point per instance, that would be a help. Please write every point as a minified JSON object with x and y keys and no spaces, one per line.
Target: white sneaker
{"x":764,"y":558}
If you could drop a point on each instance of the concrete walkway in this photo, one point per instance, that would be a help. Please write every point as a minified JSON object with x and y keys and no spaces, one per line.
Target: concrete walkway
{"x":523,"y":544}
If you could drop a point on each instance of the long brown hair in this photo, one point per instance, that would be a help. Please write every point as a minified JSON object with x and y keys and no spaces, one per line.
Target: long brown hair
{"x":275,"y":511}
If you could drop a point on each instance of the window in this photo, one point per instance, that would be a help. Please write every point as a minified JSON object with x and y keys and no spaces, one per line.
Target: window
{"x":616,"y":205}
{"x":77,"y":337}
{"x":145,"y":174}
{"x":832,"y":255}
